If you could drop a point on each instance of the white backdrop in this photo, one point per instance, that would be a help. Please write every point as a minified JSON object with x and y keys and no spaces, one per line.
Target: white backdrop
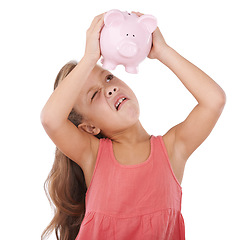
{"x":39,"y":37}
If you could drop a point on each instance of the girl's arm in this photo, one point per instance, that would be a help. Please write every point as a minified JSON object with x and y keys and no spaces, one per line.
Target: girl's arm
{"x":54,"y":116}
{"x":210,"y":97}
{"x":182,"y":140}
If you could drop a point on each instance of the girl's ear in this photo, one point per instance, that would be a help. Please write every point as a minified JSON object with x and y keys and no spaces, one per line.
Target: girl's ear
{"x":89,"y":128}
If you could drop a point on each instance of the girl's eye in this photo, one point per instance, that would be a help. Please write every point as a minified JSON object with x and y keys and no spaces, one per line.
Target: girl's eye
{"x":94,"y":95}
{"x":109,"y":78}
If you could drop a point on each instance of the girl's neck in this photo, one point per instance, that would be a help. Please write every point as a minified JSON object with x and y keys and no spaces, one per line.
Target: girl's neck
{"x":132,"y":135}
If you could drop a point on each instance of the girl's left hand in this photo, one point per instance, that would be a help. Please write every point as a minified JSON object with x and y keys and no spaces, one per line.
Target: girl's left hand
{"x":158,"y":43}
{"x":92,"y":49}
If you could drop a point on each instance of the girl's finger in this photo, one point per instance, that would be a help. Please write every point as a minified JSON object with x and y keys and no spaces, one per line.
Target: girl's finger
{"x":138,"y":13}
{"x":99,"y":24}
{"x":96,"y":20}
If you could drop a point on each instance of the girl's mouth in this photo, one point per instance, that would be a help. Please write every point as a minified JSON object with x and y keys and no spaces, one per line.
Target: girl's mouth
{"x":119,"y":102}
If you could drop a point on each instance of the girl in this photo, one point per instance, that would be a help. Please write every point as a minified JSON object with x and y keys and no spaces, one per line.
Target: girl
{"x":129,"y":180}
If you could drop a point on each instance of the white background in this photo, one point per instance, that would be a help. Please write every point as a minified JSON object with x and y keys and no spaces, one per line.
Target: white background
{"x":39,"y":37}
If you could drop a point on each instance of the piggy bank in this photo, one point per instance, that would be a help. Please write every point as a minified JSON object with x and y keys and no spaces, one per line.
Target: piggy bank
{"x":126,"y":39}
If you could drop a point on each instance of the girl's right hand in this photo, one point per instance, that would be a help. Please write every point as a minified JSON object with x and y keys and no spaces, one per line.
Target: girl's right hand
{"x":158,"y":43}
{"x":92,"y":50}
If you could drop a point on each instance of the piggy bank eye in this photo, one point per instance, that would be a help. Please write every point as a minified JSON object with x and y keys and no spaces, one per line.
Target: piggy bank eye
{"x":109,"y":78}
{"x":127,"y":34}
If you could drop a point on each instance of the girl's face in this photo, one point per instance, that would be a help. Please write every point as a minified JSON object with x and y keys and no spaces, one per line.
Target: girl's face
{"x":107,"y":103}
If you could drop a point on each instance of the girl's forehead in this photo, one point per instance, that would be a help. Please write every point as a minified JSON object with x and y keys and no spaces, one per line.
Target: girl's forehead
{"x":98,"y":70}
{"x":96,"y":76}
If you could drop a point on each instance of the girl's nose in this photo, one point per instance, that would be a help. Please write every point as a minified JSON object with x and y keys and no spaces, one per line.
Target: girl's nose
{"x":111,"y":91}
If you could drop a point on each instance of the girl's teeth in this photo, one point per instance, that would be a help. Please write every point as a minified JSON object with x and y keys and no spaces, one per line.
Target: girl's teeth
{"x":119,"y":102}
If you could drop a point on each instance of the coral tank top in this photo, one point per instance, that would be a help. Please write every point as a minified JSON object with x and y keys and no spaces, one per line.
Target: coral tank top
{"x":133,"y":202}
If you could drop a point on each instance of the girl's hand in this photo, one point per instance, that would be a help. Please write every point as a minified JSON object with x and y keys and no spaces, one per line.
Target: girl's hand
{"x":158,"y":45}
{"x":92,"y":50}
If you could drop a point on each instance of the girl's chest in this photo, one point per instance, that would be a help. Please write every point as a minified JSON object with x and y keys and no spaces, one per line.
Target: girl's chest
{"x":123,"y":155}
{"x":132,"y":155}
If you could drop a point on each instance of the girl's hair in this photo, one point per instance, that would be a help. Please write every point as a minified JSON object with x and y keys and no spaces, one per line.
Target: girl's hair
{"x":65,"y":185}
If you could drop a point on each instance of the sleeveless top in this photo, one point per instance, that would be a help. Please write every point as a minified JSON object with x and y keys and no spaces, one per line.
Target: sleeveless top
{"x":133,"y":202}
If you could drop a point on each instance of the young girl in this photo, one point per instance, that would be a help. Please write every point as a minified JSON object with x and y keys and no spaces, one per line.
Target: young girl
{"x":110,"y":178}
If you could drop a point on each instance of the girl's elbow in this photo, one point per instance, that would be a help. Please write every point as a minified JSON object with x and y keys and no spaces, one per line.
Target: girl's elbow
{"x":46,"y":120}
{"x":51,"y":121}
{"x":216,"y":102}
{"x":220,"y":101}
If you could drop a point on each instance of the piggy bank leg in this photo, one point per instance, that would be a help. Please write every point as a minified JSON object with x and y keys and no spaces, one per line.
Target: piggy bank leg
{"x":131,"y":69}
{"x":109,"y":65}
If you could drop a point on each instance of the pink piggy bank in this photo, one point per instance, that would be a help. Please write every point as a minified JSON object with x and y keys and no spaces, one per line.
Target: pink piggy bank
{"x":126,"y":39}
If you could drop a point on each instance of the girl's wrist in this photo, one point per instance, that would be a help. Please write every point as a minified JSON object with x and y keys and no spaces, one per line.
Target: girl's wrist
{"x":89,"y":60}
{"x":163,"y":53}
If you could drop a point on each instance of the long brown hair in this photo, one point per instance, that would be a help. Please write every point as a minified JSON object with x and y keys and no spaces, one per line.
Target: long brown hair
{"x":65,"y":185}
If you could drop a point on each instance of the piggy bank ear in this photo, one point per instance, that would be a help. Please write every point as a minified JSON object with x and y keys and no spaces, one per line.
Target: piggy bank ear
{"x":149,"y":21}
{"x":113,"y":17}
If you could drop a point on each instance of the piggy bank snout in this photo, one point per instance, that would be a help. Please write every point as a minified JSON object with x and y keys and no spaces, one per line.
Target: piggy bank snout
{"x":128,"y":49}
